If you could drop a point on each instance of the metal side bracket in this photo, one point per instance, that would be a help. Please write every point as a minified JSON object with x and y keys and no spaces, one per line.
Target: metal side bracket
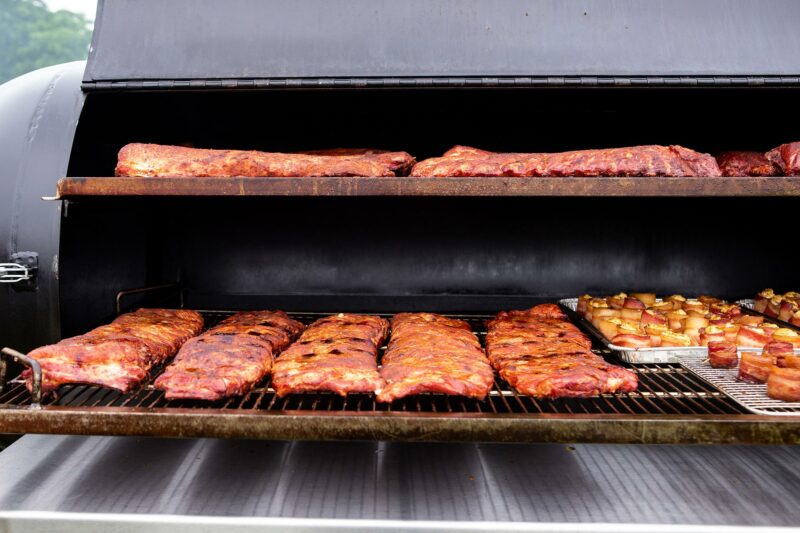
{"x":32,"y":364}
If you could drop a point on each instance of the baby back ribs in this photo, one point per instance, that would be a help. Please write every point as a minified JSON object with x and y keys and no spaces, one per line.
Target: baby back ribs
{"x":432,"y":353}
{"x":118,"y":355}
{"x":230,"y":358}
{"x":746,"y":164}
{"x":153,"y":160}
{"x":649,"y":160}
{"x":540,"y":353}
{"x":336,"y":353}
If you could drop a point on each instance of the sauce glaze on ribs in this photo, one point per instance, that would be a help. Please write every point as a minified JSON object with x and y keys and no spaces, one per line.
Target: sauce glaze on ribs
{"x":649,"y":160}
{"x":118,"y":355}
{"x":153,"y":160}
{"x":540,"y":353}
{"x":336,"y":353}
{"x":432,"y":353}
{"x":230,"y":358}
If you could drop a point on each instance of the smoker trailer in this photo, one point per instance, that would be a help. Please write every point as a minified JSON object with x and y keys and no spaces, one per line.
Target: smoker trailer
{"x":81,"y":246}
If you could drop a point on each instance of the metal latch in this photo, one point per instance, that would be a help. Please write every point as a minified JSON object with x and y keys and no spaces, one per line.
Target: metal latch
{"x":21,"y":270}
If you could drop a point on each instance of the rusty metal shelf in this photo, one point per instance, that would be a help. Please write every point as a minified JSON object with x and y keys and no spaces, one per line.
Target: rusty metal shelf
{"x":407,"y":186}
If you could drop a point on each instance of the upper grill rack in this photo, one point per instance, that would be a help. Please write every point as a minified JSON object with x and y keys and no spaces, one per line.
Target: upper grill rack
{"x":664,"y":389}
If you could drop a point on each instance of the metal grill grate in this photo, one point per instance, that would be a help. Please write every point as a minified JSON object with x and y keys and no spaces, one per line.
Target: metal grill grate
{"x":752,"y":396}
{"x":664,"y":389}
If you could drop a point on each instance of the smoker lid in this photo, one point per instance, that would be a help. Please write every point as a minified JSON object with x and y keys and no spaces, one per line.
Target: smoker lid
{"x":197,"y":43}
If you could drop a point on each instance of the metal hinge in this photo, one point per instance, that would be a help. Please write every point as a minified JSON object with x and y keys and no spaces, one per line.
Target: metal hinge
{"x":21,"y":270}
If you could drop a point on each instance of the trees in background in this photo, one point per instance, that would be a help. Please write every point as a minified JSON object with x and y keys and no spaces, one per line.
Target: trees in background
{"x":32,"y":36}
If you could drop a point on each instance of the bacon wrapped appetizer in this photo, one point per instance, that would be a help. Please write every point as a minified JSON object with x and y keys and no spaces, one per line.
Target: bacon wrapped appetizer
{"x":677,"y":301}
{"x":608,"y":328}
{"x":711,"y":334}
{"x":656,"y":332}
{"x":787,"y":335}
{"x":647,"y":298}
{"x":650,"y":316}
{"x":676,"y":339}
{"x":753,"y":337}
{"x":633,"y":303}
{"x":617,"y":301}
{"x":632,"y":340}
{"x":755,"y":367}
{"x":762,"y":299}
{"x":749,"y":320}
{"x":722,"y":354}
{"x":695,"y":305}
{"x":778,"y":351}
{"x":784,"y":384}
{"x":774,"y":306}
{"x":677,"y":320}
{"x":583,"y":304}
{"x":787,"y":309}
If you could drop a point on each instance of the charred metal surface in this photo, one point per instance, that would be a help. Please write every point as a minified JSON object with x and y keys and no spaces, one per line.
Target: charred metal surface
{"x":212,"y":423}
{"x":407,"y":186}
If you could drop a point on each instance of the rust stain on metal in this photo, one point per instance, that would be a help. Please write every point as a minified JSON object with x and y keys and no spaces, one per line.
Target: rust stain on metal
{"x":172,"y":422}
{"x":405,"y":186}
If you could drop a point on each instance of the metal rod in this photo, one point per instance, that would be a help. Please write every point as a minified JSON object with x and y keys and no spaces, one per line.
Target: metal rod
{"x":36,"y":373}
{"x":139,"y":290}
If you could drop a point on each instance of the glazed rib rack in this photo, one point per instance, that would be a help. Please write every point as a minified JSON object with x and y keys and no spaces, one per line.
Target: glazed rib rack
{"x":664,"y":389}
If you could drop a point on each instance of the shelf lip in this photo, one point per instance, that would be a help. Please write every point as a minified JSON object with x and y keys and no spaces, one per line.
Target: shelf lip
{"x":413,"y":186}
{"x":463,"y":427}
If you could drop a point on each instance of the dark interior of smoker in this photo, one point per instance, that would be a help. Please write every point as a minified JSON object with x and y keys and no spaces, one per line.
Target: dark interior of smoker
{"x":448,"y":254}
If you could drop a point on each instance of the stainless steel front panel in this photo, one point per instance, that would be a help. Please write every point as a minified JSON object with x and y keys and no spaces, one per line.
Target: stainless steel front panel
{"x":475,"y":483}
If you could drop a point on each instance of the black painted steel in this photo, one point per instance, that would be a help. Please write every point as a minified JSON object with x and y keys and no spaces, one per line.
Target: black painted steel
{"x":419,"y":41}
{"x":392,"y":254}
{"x":39,"y":112}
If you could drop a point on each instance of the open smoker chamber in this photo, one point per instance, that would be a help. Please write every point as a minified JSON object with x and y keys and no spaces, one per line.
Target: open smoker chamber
{"x":447,"y":252}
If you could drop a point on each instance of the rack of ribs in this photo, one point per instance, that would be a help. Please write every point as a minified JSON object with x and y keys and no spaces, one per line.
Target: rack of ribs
{"x":154,"y":160}
{"x":230,"y":358}
{"x":337,"y":353}
{"x":787,"y":157}
{"x":746,"y":164}
{"x":540,"y":353}
{"x":432,"y":353}
{"x":118,"y":355}
{"x":649,"y":160}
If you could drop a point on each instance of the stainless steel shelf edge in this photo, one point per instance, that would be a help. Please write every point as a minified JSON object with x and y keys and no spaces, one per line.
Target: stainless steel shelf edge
{"x":45,"y":521}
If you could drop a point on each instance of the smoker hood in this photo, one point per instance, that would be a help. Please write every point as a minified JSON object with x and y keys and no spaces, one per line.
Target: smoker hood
{"x":153,"y":44}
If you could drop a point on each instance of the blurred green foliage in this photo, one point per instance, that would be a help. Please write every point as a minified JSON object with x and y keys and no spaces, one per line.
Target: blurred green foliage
{"x":32,"y":36}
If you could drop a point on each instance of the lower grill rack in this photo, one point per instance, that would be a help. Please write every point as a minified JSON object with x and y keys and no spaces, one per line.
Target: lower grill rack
{"x":672,"y":404}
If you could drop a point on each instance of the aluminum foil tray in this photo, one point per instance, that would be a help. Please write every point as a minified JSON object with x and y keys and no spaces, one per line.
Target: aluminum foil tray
{"x":751,"y":396}
{"x":637,"y":356}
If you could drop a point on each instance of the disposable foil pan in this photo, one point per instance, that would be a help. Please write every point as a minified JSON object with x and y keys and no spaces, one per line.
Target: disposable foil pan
{"x":669,"y":354}
{"x":640,"y":356}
